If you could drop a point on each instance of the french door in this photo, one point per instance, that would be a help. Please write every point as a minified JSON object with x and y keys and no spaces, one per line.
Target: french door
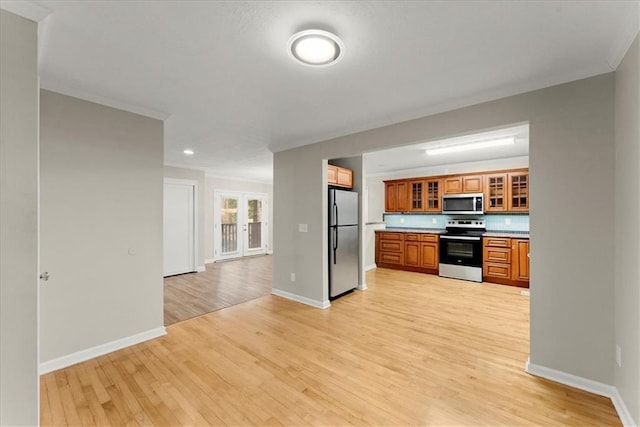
{"x":240,"y":224}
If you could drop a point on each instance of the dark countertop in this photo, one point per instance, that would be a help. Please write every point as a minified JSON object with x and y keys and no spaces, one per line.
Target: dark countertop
{"x":510,"y":233}
{"x":498,"y":233}
{"x":413,"y":230}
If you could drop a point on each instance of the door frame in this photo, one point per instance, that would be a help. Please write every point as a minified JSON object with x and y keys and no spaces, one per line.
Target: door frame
{"x":242,"y":220}
{"x":196,"y":225}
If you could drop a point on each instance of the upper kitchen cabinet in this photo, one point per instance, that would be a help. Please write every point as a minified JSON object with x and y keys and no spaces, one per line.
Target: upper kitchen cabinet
{"x":463,"y":184}
{"x":496,"y":197}
{"x":504,"y":191}
{"x":433,"y":195}
{"x":417,"y":195}
{"x":396,"y":196}
{"x":519,"y":191}
{"x":339,"y":177}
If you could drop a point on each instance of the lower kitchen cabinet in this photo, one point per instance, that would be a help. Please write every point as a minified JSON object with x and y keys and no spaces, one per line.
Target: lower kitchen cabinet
{"x":506,"y":261}
{"x":407,"y":251}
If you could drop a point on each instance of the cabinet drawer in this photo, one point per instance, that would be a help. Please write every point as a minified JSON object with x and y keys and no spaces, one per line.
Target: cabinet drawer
{"x":502,"y":271}
{"x":391,"y":236}
{"x":429,"y":237}
{"x":391,"y":258}
{"x":499,"y":255}
{"x":411,"y":237}
{"x":497,"y":242}
{"x":390,"y":246}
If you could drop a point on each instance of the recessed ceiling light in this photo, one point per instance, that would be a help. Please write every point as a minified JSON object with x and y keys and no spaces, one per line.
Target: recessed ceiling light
{"x":470,"y":146}
{"x":316,"y":48}
{"x":188,"y":152}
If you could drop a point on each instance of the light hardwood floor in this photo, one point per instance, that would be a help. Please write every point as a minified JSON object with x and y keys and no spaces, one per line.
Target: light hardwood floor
{"x":224,"y":284}
{"x":413,"y":349}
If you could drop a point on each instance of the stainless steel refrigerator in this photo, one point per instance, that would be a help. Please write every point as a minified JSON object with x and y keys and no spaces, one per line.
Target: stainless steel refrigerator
{"x":343,"y":241}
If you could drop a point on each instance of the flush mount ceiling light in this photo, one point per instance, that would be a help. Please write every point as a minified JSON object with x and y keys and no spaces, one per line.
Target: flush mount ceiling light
{"x":188,"y":152}
{"x":470,"y":146}
{"x":316,"y":48}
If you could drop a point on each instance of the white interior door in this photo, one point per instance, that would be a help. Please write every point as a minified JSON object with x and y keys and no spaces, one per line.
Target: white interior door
{"x":240,"y":224}
{"x":179,"y":228}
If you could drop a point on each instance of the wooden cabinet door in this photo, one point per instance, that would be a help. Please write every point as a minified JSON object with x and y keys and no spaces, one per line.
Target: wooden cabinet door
{"x":416,"y":196}
{"x":433,"y":195}
{"x":396,"y":196}
{"x":412,"y":254}
{"x":391,"y":197}
{"x":453,"y":185}
{"x":496,"y":194}
{"x":332,"y":174}
{"x":403,"y":197}
{"x":519,"y":192}
{"x":429,"y":255}
{"x":345,"y":177}
{"x":472,"y":184}
{"x":521,"y":260}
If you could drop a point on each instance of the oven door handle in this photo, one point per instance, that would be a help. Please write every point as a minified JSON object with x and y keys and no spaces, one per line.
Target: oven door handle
{"x":460,"y":237}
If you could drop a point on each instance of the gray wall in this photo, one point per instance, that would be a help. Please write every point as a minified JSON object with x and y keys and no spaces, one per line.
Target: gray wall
{"x":19,"y":396}
{"x":627,"y":231}
{"x":223,"y":184}
{"x":571,"y":164}
{"x":101,"y":224}
{"x":198,"y":176}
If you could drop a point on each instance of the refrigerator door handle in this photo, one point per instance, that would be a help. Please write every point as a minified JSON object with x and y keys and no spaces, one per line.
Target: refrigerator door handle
{"x":335,"y":214}
{"x":335,"y":244}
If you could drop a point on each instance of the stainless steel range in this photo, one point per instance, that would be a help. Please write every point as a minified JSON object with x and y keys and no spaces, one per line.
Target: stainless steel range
{"x":461,"y":249}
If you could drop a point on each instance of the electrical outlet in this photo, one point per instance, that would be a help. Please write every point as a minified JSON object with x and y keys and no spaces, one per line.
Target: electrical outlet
{"x":303,"y":228}
{"x":507,"y":221}
{"x":434,"y":221}
{"x":293,"y":277}
{"x":618,"y":356}
{"x":401,"y":220}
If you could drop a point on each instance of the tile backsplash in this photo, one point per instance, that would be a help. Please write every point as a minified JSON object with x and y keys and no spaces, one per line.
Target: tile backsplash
{"x":501,"y":222}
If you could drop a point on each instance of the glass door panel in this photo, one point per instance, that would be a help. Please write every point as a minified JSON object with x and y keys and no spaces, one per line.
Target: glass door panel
{"x":229,"y":225}
{"x":254,"y":225}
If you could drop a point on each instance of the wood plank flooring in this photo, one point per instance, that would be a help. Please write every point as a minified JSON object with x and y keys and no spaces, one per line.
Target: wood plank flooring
{"x":413,"y":349}
{"x":224,"y":284}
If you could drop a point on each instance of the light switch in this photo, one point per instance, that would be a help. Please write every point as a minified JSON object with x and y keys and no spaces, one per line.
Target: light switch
{"x":303,"y":228}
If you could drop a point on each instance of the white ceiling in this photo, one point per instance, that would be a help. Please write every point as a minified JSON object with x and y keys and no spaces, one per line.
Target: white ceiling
{"x":219,"y":71}
{"x":414,"y":156}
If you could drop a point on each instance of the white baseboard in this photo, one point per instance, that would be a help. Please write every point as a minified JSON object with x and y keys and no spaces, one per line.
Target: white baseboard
{"x":269,"y":252}
{"x":301,"y":299}
{"x":370,"y":267}
{"x":585,"y":384}
{"x":362,"y":287}
{"x":201,"y":269}
{"x":623,"y":411}
{"x":209,"y":261}
{"x":99,"y":350}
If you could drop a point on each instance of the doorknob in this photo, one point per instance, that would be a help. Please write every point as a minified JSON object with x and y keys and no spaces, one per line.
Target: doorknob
{"x":45,"y":276}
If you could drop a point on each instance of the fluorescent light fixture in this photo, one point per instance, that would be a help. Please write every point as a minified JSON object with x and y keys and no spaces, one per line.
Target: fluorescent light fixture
{"x":188,"y":152}
{"x":316,"y":48}
{"x":470,"y":146}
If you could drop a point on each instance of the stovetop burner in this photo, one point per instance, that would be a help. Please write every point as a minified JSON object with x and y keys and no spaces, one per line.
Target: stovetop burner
{"x":466,"y":227}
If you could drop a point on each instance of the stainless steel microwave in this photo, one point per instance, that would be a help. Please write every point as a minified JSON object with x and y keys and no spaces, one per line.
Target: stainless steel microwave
{"x":465,"y":204}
